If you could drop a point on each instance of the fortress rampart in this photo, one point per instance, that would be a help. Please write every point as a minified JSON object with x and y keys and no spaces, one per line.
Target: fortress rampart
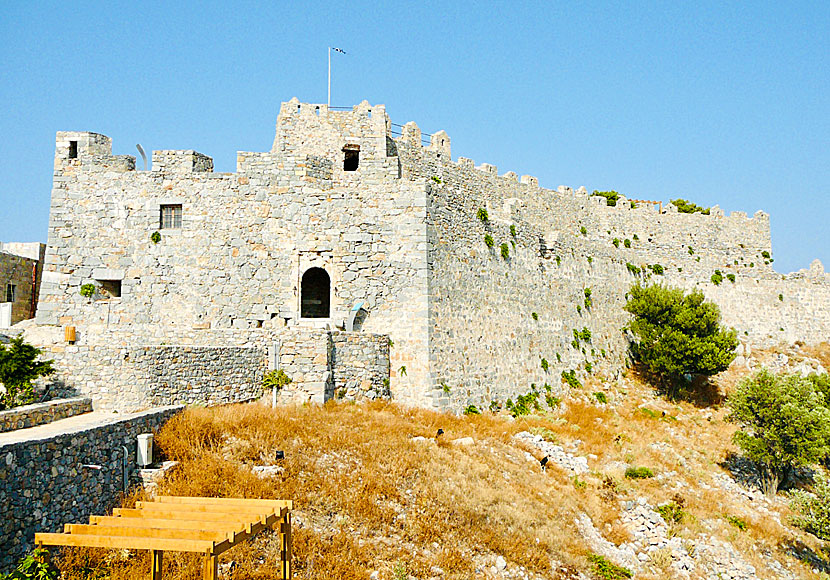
{"x":392,"y":228}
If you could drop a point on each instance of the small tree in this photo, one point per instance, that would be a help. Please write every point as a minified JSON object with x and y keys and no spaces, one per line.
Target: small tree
{"x":784,"y":424}
{"x":18,"y":368}
{"x":678,"y":334}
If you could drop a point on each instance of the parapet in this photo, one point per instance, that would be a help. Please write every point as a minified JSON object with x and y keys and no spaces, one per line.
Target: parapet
{"x":73,"y":148}
{"x":181,"y":161}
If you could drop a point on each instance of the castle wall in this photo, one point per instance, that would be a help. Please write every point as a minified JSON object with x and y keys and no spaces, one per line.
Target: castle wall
{"x":486,"y":345}
{"x":245,"y":240}
{"x":21,"y":274}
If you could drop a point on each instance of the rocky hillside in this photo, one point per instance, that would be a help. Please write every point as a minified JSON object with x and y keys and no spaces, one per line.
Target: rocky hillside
{"x":630,"y":482}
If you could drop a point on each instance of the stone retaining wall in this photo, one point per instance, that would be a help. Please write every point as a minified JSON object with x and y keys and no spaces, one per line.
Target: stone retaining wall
{"x":43,"y":483}
{"x":40,"y":413}
{"x":360,"y":366}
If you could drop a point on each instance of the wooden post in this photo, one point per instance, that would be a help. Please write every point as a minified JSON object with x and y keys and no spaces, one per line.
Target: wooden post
{"x":285,"y":532}
{"x":155,"y":569}
{"x":211,"y":567}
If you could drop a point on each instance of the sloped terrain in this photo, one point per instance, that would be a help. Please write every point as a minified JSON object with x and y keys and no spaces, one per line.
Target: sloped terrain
{"x":378,"y":494}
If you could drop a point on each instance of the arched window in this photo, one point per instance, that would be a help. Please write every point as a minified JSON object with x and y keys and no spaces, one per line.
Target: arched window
{"x":314,"y":294}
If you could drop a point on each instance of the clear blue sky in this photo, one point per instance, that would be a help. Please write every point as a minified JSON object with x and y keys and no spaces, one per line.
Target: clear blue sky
{"x":721,"y":103}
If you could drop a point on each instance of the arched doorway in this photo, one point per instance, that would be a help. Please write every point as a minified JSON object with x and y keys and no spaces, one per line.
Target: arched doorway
{"x":315,"y":290}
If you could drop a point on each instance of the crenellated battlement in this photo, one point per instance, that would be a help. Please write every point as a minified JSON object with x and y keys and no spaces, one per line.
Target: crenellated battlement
{"x":351,"y":221}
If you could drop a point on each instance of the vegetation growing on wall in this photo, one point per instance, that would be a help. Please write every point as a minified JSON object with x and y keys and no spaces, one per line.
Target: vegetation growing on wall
{"x":684,"y":206}
{"x":611,"y":197}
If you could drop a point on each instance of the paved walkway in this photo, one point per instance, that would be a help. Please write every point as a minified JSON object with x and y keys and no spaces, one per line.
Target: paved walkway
{"x":75,"y":424}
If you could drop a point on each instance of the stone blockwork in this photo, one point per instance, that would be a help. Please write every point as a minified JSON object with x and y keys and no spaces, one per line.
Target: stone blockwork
{"x":21,"y":268}
{"x":40,"y":413}
{"x":395,"y":227}
{"x":48,"y":478}
{"x":360,"y":366}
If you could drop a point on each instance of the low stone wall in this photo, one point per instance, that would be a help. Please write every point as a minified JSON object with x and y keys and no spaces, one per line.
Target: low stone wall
{"x":43,"y":481}
{"x":199,"y":374}
{"x":40,"y":413}
{"x":360,"y":365}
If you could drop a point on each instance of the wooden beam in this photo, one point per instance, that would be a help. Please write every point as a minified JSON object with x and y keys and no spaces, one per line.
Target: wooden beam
{"x":206,"y":508}
{"x":122,"y":542}
{"x":135,"y":532}
{"x":224,"y":500}
{"x":180,"y":524}
{"x":187,"y":515}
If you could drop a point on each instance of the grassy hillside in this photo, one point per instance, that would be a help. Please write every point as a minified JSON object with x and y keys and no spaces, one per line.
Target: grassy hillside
{"x":378,"y":495}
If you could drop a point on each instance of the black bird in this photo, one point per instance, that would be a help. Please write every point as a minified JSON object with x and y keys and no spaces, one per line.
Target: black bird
{"x":544,"y":462}
{"x":279,"y":455}
{"x":440,"y":432}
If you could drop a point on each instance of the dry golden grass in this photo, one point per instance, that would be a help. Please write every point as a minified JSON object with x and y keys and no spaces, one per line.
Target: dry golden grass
{"x":367,"y":497}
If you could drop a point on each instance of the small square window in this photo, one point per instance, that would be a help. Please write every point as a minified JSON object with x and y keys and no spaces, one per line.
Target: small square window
{"x":11,"y":291}
{"x":351,"y":157}
{"x":111,"y":288}
{"x":170,"y":217}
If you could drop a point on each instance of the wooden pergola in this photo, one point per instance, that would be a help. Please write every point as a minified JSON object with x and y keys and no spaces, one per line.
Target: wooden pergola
{"x":203,"y":525}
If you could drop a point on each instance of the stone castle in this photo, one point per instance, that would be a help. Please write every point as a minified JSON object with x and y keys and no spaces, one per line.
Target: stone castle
{"x":367,"y":263}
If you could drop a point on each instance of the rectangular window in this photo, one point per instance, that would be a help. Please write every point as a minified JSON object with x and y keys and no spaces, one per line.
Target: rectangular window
{"x":170,"y":217}
{"x":11,"y":290}
{"x":111,"y":288}
{"x":73,"y":149}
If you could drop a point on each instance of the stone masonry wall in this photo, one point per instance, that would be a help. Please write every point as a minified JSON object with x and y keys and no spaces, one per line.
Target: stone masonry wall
{"x":246,"y":240}
{"x":40,"y":413}
{"x":127,"y":377}
{"x":22,"y":273}
{"x":486,"y":345}
{"x":360,"y":364}
{"x":43,"y":483}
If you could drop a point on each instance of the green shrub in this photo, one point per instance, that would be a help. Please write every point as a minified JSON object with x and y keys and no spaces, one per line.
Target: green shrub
{"x":579,"y":309}
{"x":589,"y":367}
{"x":608,"y":570}
{"x":784,"y":424}
{"x":691,"y":250}
{"x":558,"y":260}
{"x":155,"y":237}
{"x":553,"y":401}
{"x":616,"y":242}
{"x":677,"y":334}
{"x":717,"y":278}
{"x":639,"y":473}
{"x":534,"y":316}
{"x":587,"y":292}
{"x":495,"y":406}
{"x":627,"y":243}
{"x":525,"y":404}
{"x":672,"y":512}
{"x":505,"y":251}
{"x":545,"y":364}
{"x":813,"y":509}
{"x":88,"y":290}
{"x":18,"y":368}
{"x":575,"y":344}
{"x":436,"y":179}
{"x":276,"y":379}
{"x":684,"y":206}
{"x":445,"y":388}
{"x":513,"y":230}
{"x":736,"y":522}
{"x":657,"y":269}
{"x":583,"y":230}
{"x":558,"y":357}
{"x":471,"y":410}
{"x":611,"y":197}
{"x":601,"y":397}
{"x":731,"y":277}
{"x":632,"y":268}
{"x":590,"y":259}
{"x":635,"y":237}
{"x":488,"y":241}
{"x":585,"y":334}
{"x":781,"y":298}
{"x":766,"y":255}
{"x":33,"y":567}
{"x":570,"y":378}
{"x":481,"y":214}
